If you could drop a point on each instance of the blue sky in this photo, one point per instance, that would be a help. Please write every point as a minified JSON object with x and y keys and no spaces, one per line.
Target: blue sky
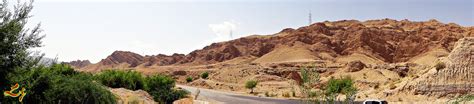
{"x":93,"y":29}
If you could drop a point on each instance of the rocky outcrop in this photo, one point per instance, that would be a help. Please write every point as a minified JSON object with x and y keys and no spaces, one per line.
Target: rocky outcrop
{"x":401,"y":70}
{"x":79,"y":63}
{"x":354,"y":66}
{"x":457,"y":77}
{"x":161,"y":59}
{"x":460,"y":64}
{"x":125,"y":96}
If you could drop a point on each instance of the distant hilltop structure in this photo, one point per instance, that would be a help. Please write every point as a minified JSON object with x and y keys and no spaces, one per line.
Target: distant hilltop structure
{"x":309,"y":18}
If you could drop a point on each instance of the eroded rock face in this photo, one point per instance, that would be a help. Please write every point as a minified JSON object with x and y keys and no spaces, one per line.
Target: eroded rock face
{"x":79,"y":63}
{"x":457,"y":77}
{"x":461,"y":62}
{"x":295,"y":76}
{"x":161,"y":59}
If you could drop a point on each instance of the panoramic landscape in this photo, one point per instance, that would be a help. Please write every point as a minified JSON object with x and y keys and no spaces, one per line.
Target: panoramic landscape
{"x":156,"y":52}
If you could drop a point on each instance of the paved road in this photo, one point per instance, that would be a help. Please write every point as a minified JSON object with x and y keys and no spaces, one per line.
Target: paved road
{"x":229,"y":98}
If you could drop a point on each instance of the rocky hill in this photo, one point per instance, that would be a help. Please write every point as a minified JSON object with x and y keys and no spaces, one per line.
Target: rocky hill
{"x":118,"y":57}
{"x":387,"y":40}
{"x":388,"y":59}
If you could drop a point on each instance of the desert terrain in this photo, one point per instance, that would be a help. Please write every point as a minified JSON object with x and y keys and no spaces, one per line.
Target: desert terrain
{"x":395,"y":60}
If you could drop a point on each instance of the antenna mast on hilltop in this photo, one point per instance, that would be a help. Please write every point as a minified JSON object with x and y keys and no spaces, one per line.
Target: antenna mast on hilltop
{"x":310,"y":22}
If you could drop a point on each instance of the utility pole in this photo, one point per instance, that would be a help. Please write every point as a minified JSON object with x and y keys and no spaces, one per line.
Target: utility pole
{"x":310,"y":21}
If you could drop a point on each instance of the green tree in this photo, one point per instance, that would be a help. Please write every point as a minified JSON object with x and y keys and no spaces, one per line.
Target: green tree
{"x":309,"y":78}
{"x":15,"y":40}
{"x":205,"y":75}
{"x":251,"y":84}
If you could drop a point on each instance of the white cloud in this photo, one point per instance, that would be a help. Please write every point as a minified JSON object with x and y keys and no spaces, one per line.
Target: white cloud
{"x":223,"y":31}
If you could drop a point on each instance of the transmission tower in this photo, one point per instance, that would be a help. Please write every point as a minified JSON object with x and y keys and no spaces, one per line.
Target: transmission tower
{"x":230,"y":33}
{"x":309,"y":18}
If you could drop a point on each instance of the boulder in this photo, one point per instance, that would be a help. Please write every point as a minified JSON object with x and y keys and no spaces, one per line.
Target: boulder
{"x":355,"y":66}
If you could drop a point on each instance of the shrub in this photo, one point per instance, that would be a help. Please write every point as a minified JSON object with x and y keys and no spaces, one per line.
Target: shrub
{"x":78,"y":89}
{"x":158,"y":86}
{"x":205,"y":75}
{"x":189,"y":79}
{"x":59,"y":82}
{"x":440,"y":65}
{"x":161,"y":88}
{"x":464,"y":99}
{"x":341,"y":86}
{"x":251,"y":84}
{"x":121,"y":79}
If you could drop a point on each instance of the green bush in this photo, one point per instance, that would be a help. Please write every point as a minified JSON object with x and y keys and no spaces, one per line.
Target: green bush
{"x":250,"y":85}
{"x":78,"y":89}
{"x":205,"y":75}
{"x":340,"y":86}
{"x":158,"y":86}
{"x":189,"y":79}
{"x":59,"y":83}
{"x":121,"y":79}
{"x":161,"y":88}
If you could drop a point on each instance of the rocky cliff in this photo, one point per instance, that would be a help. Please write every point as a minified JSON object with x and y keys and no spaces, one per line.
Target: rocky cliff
{"x":457,"y":74}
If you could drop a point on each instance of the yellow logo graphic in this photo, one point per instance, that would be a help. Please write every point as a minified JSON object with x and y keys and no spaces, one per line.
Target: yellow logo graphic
{"x":11,"y":93}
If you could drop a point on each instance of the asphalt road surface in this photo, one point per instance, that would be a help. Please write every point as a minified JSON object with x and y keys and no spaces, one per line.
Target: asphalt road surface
{"x":229,"y":98}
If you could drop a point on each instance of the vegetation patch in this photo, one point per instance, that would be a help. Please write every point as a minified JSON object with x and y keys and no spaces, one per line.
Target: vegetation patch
{"x":205,"y":75}
{"x":189,"y":79}
{"x":161,"y":88}
{"x":251,"y":84}
{"x":121,"y":79}
{"x":59,"y":83}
